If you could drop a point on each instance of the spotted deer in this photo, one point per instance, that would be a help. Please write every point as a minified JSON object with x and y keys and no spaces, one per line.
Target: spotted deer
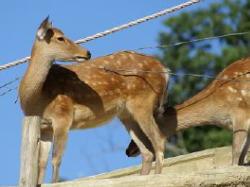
{"x":86,"y":95}
{"x":225,"y":102}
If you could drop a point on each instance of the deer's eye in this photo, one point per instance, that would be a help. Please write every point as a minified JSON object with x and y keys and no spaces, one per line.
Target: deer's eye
{"x":61,"y":39}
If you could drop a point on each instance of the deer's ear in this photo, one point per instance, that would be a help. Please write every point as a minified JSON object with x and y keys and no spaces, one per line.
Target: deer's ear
{"x":43,"y":29}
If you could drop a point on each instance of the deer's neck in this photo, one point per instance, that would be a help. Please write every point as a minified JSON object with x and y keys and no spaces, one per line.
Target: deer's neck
{"x":204,"y":112}
{"x":197,"y":114}
{"x":30,"y":91}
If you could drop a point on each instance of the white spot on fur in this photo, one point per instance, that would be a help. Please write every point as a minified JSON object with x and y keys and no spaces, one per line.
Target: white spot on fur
{"x":225,"y":77}
{"x":243,"y":92}
{"x":124,"y":56}
{"x":140,"y":65}
{"x":132,"y":57}
{"x":239,"y":99}
{"x":231,"y":89}
{"x":111,"y":57}
{"x":101,"y":67}
{"x":238,"y":73}
{"x":119,"y":62}
{"x":106,"y":62}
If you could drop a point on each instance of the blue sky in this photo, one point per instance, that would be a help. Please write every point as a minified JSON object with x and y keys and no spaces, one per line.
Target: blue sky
{"x":92,"y":151}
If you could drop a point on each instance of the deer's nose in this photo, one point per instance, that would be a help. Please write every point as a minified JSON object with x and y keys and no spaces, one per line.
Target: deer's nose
{"x":88,"y":55}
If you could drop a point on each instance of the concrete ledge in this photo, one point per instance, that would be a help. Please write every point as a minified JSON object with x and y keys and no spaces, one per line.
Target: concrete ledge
{"x":193,"y":162}
{"x":211,"y":167}
{"x":231,"y":176}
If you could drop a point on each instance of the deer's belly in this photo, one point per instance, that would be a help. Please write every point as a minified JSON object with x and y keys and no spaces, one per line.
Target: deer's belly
{"x":87,"y":117}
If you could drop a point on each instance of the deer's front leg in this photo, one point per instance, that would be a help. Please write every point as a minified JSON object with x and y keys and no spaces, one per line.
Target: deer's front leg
{"x":60,"y":139}
{"x":62,"y":119}
{"x":240,"y":138}
{"x":45,"y":146}
{"x":240,"y":146}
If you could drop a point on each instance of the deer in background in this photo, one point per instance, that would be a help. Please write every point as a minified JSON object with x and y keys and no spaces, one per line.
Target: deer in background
{"x":85,"y":95}
{"x":225,"y":102}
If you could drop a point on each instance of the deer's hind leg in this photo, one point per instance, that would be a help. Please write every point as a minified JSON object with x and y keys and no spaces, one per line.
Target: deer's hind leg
{"x":141,"y":141}
{"x":142,"y":108}
{"x":241,"y":138}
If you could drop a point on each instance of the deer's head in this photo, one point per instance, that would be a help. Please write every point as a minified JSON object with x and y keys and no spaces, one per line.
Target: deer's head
{"x":52,"y":43}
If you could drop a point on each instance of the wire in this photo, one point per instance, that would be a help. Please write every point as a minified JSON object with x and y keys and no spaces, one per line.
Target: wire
{"x":193,"y":41}
{"x":14,"y":63}
{"x":8,"y":91}
{"x":138,"y":21}
{"x":26,"y":59}
{"x":115,"y":29}
{"x":9,"y":83}
{"x":137,"y":73}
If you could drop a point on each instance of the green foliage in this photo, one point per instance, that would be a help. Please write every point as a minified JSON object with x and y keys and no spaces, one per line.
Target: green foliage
{"x":206,"y":57}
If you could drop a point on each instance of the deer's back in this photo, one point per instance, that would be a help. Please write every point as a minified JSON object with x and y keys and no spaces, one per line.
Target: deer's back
{"x":100,"y":87}
{"x":228,"y":86}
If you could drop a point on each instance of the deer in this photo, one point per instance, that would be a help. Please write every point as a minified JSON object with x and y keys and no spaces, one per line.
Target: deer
{"x":225,"y":102}
{"x":87,"y":95}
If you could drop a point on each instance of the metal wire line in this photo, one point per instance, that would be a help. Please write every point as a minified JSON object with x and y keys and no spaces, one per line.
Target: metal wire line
{"x":115,"y":29}
{"x":8,"y":91}
{"x":194,"y":40}
{"x":133,"y":72}
{"x":159,"y":46}
{"x":26,"y":59}
{"x":148,"y":71}
{"x":9,"y":83}
{"x":151,"y":47}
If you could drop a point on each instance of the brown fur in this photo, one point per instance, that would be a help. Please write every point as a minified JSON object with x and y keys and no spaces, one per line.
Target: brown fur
{"x":87,"y":95}
{"x":225,"y":102}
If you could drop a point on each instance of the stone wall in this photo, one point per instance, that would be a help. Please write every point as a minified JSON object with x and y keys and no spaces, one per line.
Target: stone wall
{"x":211,"y":167}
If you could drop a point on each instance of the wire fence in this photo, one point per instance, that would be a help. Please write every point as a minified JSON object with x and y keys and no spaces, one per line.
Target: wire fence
{"x":9,"y":83}
{"x":8,"y":90}
{"x":138,"y":72}
{"x":113,"y":30}
{"x":124,"y":26}
{"x":159,"y":46}
{"x":194,"y":40}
